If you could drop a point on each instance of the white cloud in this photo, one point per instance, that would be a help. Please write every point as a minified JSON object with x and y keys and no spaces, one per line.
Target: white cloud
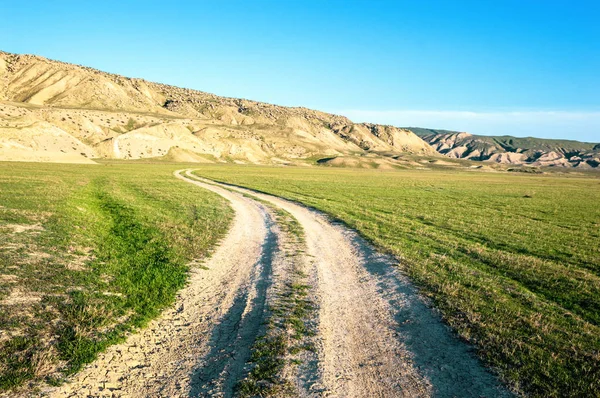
{"x":583,"y":126}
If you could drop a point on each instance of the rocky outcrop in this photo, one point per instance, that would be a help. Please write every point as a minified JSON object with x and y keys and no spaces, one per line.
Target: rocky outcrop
{"x":513,"y":150}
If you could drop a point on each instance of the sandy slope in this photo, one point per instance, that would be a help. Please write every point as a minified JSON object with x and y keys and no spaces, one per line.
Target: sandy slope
{"x":376,"y":337}
{"x":116,"y":117}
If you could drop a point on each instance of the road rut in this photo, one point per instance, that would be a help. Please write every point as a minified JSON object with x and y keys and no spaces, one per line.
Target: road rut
{"x":193,"y":348}
{"x":378,"y":337}
{"x":375,"y":336}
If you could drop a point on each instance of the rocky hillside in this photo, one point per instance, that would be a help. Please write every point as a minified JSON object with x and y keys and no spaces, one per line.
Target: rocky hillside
{"x":54,"y":111}
{"x":513,"y":150}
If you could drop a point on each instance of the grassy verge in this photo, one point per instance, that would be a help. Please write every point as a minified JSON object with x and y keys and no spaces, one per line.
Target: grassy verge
{"x":89,"y":253}
{"x":288,"y":327}
{"x":511,"y":260}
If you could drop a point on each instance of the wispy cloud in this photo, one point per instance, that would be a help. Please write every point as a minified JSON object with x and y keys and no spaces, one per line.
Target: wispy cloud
{"x":577,"y":125}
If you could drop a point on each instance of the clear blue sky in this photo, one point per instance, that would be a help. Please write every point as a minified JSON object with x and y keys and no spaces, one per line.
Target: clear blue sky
{"x":489,"y":67}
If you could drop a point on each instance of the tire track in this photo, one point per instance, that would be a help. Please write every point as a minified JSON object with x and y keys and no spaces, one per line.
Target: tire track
{"x":231,"y":340}
{"x":200,"y":345}
{"x":378,"y":337}
{"x":375,"y":336}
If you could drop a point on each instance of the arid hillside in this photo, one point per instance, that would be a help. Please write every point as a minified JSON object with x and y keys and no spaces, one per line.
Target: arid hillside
{"x":513,"y":150}
{"x":54,"y":111}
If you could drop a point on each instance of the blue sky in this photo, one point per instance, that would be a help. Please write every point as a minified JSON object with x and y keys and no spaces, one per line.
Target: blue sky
{"x":488,"y":67}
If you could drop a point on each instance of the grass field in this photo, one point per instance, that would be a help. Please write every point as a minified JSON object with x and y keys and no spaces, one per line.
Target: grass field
{"x":88,"y":253}
{"x":512,"y":261}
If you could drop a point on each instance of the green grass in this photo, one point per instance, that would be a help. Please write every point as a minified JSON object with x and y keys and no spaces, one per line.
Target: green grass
{"x":511,"y":260}
{"x":110,"y":247}
{"x":288,"y":325}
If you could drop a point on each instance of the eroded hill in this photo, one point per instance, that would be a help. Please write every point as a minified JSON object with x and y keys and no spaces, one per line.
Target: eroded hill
{"x":513,"y":150}
{"x":54,"y":111}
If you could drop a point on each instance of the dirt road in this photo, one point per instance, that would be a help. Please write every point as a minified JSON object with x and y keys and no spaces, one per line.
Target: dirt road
{"x":374,"y":335}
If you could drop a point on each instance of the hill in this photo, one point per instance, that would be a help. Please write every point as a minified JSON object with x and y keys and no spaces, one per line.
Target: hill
{"x":512,"y":150}
{"x":50,"y":110}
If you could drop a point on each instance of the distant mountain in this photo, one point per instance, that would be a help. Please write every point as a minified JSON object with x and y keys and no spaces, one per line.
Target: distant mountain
{"x":512,"y":150}
{"x":55,"y":111}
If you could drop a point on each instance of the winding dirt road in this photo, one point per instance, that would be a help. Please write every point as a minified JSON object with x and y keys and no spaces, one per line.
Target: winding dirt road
{"x":375,"y":337}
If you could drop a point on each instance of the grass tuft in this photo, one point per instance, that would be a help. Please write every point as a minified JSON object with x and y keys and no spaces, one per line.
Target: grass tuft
{"x":288,"y":325}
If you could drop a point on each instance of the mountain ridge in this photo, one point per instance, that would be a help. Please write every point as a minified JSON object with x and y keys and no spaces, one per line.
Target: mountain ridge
{"x":131,"y":118}
{"x":506,"y":149}
{"x":57,"y":111}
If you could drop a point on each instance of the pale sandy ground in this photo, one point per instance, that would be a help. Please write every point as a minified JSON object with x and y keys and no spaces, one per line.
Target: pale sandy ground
{"x":376,"y":336}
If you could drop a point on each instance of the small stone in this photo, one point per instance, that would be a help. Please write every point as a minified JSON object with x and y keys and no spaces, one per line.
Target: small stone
{"x":112,"y":386}
{"x":133,"y":364}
